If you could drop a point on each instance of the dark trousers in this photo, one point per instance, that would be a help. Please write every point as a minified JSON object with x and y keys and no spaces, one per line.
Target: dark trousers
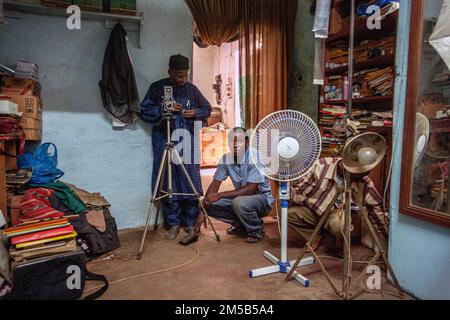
{"x":180,"y":213}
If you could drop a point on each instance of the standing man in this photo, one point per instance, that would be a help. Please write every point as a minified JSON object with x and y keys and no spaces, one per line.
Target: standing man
{"x":251,"y":200}
{"x":191,"y":106}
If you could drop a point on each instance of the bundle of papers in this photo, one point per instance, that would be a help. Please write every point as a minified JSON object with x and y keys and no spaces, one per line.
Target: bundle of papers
{"x":27,"y":70}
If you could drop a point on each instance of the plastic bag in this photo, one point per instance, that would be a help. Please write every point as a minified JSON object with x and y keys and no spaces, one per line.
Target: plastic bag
{"x":43,"y":164}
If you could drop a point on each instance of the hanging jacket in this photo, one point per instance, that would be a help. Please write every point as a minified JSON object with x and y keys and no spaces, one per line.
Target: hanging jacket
{"x":118,"y":85}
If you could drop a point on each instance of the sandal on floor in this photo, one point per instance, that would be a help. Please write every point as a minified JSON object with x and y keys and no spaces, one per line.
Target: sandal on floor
{"x":254,"y":239}
{"x":234,"y":230}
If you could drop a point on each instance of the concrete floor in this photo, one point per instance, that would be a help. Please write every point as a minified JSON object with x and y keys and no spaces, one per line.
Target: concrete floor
{"x":219,"y":272}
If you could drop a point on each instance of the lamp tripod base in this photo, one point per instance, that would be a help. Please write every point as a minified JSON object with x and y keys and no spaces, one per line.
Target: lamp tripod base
{"x":282,"y":267}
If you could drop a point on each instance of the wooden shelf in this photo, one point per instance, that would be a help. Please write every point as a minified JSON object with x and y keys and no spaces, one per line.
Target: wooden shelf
{"x":368,"y":100}
{"x":439,"y":124}
{"x":388,"y":25}
{"x":383,"y":61}
{"x":130,"y":23}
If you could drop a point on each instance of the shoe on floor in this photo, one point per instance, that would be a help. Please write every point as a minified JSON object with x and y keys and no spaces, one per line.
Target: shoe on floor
{"x":191,"y":237}
{"x":173,"y":233}
{"x":251,"y":238}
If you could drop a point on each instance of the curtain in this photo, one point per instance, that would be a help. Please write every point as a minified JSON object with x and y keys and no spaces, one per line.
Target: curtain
{"x":266,"y":46}
{"x":217,"y":21}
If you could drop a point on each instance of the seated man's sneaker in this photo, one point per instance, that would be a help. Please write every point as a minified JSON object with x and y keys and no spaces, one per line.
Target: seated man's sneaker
{"x":173,"y":232}
{"x":191,"y":237}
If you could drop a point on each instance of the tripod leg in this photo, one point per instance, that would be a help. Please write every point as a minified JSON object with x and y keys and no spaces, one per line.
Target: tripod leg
{"x":152,"y":204}
{"x":159,"y":208}
{"x":316,"y":231}
{"x":346,"y":281}
{"x":380,"y":246}
{"x":177,"y":156}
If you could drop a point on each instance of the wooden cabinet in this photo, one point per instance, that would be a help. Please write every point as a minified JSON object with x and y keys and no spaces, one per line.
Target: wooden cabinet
{"x":214,"y":146}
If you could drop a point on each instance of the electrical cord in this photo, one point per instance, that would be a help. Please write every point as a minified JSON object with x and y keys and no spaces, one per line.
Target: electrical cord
{"x":152,"y":272}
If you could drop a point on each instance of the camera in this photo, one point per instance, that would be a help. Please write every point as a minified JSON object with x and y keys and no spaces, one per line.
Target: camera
{"x":168,"y":103}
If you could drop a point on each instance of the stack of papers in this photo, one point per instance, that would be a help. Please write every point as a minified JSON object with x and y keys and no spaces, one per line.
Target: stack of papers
{"x":27,"y":70}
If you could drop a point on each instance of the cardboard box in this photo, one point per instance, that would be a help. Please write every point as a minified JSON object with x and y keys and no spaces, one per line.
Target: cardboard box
{"x":30,"y":123}
{"x":29,"y":105}
{"x":33,"y":134}
{"x":22,"y":87}
{"x":14,"y":209}
{"x":123,"y":7}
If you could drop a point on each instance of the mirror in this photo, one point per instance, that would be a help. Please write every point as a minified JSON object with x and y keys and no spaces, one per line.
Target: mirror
{"x":426,"y":150}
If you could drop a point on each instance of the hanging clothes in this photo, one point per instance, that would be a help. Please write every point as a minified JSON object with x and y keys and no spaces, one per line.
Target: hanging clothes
{"x":118,"y":85}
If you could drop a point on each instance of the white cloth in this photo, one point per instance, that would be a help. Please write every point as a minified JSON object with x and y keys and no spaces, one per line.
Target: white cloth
{"x":322,"y":18}
{"x":320,"y":29}
{"x":440,"y":38}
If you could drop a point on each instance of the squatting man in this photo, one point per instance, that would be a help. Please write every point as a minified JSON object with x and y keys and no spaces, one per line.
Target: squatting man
{"x":251,"y":200}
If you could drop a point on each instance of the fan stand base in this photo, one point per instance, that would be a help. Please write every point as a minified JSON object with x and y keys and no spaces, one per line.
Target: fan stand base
{"x":282,"y":267}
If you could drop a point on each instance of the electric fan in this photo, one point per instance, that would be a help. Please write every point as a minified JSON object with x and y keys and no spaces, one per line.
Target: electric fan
{"x":284,"y":147}
{"x":422,"y":134}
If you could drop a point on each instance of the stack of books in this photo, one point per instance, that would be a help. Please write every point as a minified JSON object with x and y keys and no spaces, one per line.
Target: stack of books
{"x":27,"y":70}
{"x":380,"y":81}
{"x":442,"y":78}
{"x":41,"y":238}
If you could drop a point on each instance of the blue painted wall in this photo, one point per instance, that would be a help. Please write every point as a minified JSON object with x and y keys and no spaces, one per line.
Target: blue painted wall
{"x":93,"y":155}
{"x":419,"y":251}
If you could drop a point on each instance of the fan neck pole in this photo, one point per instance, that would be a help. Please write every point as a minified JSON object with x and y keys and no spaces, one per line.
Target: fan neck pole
{"x":284,"y":197}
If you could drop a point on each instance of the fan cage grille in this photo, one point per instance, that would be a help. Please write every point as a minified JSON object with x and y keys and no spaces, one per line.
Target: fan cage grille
{"x":274,"y":128}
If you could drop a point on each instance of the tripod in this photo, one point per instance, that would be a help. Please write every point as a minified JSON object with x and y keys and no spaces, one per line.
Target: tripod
{"x":159,"y":194}
{"x":346,"y":293}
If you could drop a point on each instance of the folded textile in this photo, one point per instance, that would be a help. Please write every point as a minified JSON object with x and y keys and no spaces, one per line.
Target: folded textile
{"x":68,"y":197}
{"x":35,"y":205}
{"x":90,"y":199}
{"x":96,"y":218}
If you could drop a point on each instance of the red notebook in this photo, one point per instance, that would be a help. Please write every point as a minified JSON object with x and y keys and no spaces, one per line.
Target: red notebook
{"x":42,"y":235}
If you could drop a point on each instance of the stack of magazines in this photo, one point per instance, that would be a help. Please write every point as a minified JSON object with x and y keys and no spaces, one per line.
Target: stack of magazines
{"x":27,"y":70}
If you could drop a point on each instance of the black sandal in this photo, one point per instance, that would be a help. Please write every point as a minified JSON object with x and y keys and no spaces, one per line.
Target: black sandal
{"x":234,"y":230}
